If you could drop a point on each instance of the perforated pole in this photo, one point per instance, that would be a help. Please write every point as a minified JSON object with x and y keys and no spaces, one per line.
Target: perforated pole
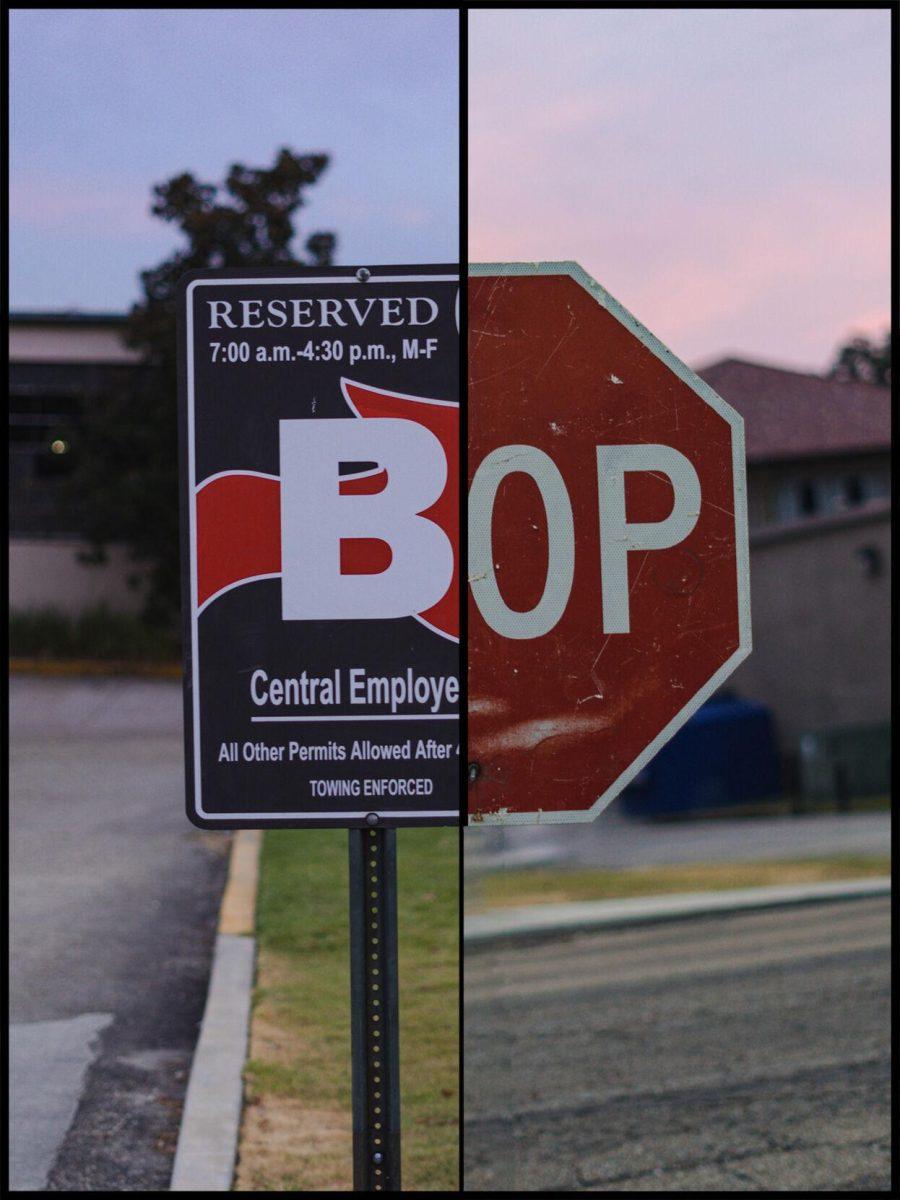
{"x":374,"y":1010}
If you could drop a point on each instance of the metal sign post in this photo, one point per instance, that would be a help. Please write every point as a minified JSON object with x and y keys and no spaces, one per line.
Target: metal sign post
{"x":374,"y":1015}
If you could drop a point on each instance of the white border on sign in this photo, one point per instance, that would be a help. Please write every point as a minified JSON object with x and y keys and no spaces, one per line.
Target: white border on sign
{"x":742,"y":551}
{"x":192,"y":518}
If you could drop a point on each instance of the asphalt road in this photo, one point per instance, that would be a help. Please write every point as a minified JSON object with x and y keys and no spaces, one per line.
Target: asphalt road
{"x":114,"y":898}
{"x":742,"y":1053}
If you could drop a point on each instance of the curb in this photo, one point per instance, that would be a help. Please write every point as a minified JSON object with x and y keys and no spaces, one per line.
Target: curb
{"x":539,"y":921}
{"x":211,"y":1118}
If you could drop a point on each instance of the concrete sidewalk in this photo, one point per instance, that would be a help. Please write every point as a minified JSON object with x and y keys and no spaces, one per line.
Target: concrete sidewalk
{"x":620,"y":841}
{"x":211,"y":1120}
{"x":546,"y":920}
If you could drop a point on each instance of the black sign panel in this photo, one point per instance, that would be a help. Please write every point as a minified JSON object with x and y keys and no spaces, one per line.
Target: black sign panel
{"x":320,"y":509}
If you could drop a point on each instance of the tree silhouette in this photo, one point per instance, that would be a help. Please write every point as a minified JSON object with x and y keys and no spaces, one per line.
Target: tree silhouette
{"x":125,"y":484}
{"x":863,"y":360}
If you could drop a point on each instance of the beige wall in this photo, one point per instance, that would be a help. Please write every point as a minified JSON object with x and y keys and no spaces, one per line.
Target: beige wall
{"x":68,"y":344}
{"x":46,"y":573}
{"x":821,"y":627}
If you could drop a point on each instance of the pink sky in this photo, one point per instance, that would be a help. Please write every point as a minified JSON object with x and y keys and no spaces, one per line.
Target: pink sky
{"x":724,"y":173}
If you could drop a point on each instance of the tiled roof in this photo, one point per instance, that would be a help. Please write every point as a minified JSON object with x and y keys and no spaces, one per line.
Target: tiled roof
{"x":791,"y":415}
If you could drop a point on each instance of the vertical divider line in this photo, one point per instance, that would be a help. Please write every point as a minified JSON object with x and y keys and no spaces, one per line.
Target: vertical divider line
{"x":463,"y":534}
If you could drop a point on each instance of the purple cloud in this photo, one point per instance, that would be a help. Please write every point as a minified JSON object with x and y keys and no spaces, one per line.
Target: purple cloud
{"x":724,"y":174}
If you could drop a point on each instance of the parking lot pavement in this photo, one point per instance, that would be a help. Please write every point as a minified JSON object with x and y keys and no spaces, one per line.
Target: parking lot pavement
{"x":741,"y":1053}
{"x":114,"y":898}
{"x":48,"y":1062}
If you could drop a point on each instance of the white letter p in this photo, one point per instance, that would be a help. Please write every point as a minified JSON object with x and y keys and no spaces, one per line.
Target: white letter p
{"x":618,"y":537}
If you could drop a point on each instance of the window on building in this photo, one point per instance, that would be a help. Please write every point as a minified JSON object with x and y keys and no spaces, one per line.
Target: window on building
{"x":786,"y":502}
{"x":807,"y":499}
{"x":43,"y":443}
{"x":876,"y":483}
{"x":830,"y":492}
{"x":862,"y":486}
{"x":871,"y":561}
{"x":855,"y":491}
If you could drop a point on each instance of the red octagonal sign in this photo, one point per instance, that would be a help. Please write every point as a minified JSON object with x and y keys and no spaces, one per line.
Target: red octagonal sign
{"x":608,"y":572}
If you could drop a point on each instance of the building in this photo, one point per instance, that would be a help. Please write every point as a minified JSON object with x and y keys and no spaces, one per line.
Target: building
{"x":818,"y":454}
{"x":818,"y":481}
{"x":60,"y":363}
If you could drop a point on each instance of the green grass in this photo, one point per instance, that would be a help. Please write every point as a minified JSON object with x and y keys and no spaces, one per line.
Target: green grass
{"x":301,"y":1044}
{"x":785,"y":805}
{"x":97,"y":634}
{"x":807,"y":806}
{"x":543,"y":885}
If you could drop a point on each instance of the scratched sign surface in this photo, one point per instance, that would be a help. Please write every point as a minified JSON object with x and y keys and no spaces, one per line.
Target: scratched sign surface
{"x":609,"y":586}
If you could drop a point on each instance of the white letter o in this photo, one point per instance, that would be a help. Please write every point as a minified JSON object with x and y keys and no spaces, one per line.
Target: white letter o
{"x":506,"y":460}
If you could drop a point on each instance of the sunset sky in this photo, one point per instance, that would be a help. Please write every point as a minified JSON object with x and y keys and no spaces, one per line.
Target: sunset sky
{"x":724,"y":173}
{"x":106,"y":102}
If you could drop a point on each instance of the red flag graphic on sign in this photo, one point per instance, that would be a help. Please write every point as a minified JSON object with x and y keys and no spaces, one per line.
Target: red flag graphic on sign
{"x":239,"y":512}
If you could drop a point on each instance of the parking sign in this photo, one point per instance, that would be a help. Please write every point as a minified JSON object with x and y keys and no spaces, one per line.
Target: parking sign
{"x":319,"y":414}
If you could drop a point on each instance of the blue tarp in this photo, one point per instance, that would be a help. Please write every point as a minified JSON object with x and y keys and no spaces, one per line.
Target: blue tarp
{"x":725,"y":756}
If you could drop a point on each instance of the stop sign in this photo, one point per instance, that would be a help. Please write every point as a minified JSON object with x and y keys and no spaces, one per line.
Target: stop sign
{"x":608,"y":563}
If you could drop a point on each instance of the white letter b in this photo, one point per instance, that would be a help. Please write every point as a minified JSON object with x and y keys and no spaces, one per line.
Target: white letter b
{"x":315,"y":518}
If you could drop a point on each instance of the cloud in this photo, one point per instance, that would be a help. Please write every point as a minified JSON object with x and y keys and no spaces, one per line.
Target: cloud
{"x":787,"y":277}
{"x":413,"y":215}
{"x":779,"y":264}
{"x":729,"y":195}
{"x":871,"y":324}
{"x":56,"y":203}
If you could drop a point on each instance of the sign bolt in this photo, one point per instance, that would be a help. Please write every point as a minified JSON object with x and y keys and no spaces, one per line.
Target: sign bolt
{"x":363,"y":275}
{"x":372,"y":818}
